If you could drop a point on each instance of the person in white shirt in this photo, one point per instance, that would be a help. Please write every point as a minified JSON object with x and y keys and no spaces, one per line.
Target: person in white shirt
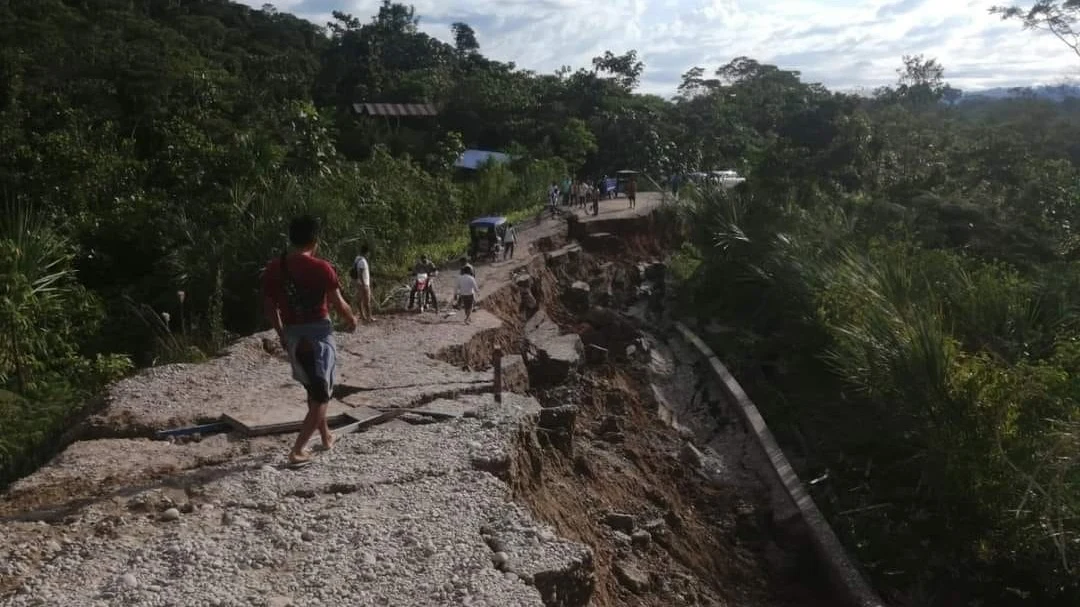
{"x":467,"y":291}
{"x":361,"y":273}
{"x":509,"y":239}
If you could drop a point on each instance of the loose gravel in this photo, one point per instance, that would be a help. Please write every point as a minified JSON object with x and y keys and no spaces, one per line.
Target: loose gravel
{"x":400,"y":514}
{"x":391,"y":516}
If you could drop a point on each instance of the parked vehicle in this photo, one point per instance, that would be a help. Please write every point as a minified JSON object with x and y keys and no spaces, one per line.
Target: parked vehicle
{"x":485,"y":238}
{"x":622,"y":178}
{"x":726,"y":179}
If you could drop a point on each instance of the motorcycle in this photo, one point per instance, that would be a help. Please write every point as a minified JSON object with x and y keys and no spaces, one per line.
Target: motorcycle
{"x":420,"y":287}
{"x":424,"y":285}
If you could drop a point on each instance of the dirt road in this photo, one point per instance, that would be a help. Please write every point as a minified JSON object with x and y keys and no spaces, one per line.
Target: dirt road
{"x":413,"y":512}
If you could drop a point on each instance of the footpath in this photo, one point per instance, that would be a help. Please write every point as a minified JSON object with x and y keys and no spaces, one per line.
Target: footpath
{"x":404,"y":513}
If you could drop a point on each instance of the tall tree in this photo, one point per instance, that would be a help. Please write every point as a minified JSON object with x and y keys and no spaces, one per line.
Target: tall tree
{"x":624,"y":69}
{"x":1058,"y":18}
{"x":921,"y":80}
{"x":464,"y":39}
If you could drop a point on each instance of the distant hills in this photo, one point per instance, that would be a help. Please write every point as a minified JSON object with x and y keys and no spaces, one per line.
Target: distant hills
{"x":1056,"y":92}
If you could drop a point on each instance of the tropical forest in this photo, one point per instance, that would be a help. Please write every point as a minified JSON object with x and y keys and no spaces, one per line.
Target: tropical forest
{"x":896,"y":284}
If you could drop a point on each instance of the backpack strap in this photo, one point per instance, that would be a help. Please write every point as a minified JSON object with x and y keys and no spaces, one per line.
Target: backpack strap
{"x":285,"y":278}
{"x":295,"y":297}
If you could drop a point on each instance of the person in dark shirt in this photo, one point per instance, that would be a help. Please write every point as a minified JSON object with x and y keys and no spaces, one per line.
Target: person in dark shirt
{"x":298,"y":290}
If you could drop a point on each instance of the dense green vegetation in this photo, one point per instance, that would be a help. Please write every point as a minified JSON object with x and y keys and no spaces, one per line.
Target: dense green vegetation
{"x":900,"y":282}
{"x":152,"y":152}
{"x":898,"y":274}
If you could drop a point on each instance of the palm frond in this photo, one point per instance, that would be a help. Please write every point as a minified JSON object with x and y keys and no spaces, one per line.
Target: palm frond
{"x":42,"y":256}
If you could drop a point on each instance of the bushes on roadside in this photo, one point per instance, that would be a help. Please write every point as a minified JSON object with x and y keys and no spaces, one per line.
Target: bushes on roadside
{"x":945,"y":402}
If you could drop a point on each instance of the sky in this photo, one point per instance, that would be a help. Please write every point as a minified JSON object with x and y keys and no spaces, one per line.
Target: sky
{"x":848,"y":45}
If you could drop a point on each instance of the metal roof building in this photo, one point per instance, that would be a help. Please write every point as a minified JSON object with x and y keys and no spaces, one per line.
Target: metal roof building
{"x":472,"y":159}
{"x":396,"y":109}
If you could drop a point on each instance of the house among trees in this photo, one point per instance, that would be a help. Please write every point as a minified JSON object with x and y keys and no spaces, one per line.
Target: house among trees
{"x":474,"y":159}
{"x":396,"y":111}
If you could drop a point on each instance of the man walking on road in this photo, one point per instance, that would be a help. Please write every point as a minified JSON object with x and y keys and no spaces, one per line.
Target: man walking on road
{"x":361,"y":273}
{"x":631,"y":192}
{"x":509,"y":239}
{"x":297,"y":288}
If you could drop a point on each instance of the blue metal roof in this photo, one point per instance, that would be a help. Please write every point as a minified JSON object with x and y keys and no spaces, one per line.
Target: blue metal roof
{"x":483,"y":221}
{"x":472,"y":159}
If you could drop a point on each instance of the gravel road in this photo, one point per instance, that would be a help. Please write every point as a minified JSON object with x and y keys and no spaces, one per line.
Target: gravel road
{"x":401,"y":514}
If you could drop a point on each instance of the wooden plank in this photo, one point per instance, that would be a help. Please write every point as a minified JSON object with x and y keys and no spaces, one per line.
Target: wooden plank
{"x":364,"y":420}
{"x":442,"y":410}
{"x":362,"y":414}
{"x":203,"y":429}
{"x":282,"y":428}
{"x":277,"y":418}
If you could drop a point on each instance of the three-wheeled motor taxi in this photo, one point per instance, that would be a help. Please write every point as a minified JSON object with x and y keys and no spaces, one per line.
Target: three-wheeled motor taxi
{"x":485,"y":238}
{"x":624,"y":178}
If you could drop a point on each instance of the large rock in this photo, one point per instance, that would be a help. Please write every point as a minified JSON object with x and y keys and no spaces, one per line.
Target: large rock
{"x":603,"y":242}
{"x":569,"y":254}
{"x":613,"y":331}
{"x":577,"y":297}
{"x":540,"y":327}
{"x":558,"y":418}
{"x":553,"y":355}
{"x":555,"y":359}
{"x":621,"y":521}
{"x":631,"y":577}
{"x":515,"y":374}
{"x":559,"y":425}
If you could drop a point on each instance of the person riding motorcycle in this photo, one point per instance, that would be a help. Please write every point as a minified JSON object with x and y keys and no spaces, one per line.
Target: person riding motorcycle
{"x":424,"y":266}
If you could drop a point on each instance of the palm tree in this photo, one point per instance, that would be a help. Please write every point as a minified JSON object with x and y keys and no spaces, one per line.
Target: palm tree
{"x":36,"y":277}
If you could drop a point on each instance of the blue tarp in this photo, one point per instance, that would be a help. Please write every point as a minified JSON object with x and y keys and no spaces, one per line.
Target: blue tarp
{"x":487,"y":221}
{"x":472,"y":159}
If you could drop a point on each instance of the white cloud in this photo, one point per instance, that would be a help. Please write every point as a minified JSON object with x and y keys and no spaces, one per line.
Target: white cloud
{"x":844,"y":44}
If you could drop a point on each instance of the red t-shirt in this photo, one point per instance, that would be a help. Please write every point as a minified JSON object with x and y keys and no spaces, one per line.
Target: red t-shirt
{"x":313,"y":280}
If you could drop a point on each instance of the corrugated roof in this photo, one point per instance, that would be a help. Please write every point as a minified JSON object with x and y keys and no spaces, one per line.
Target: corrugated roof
{"x":396,"y":109}
{"x":472,"y":159}
{"x":484,"y":221}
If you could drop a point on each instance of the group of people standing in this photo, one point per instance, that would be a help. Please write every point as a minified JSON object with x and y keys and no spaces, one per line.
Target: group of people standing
{"x":578,"y":193}
{"x":298,"y":290}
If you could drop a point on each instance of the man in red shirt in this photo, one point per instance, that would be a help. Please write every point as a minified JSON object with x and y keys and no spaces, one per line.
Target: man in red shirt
{"x":297,"y":287}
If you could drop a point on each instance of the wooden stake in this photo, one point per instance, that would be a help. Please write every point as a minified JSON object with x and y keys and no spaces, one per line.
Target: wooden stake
{"x":498,"y":374}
